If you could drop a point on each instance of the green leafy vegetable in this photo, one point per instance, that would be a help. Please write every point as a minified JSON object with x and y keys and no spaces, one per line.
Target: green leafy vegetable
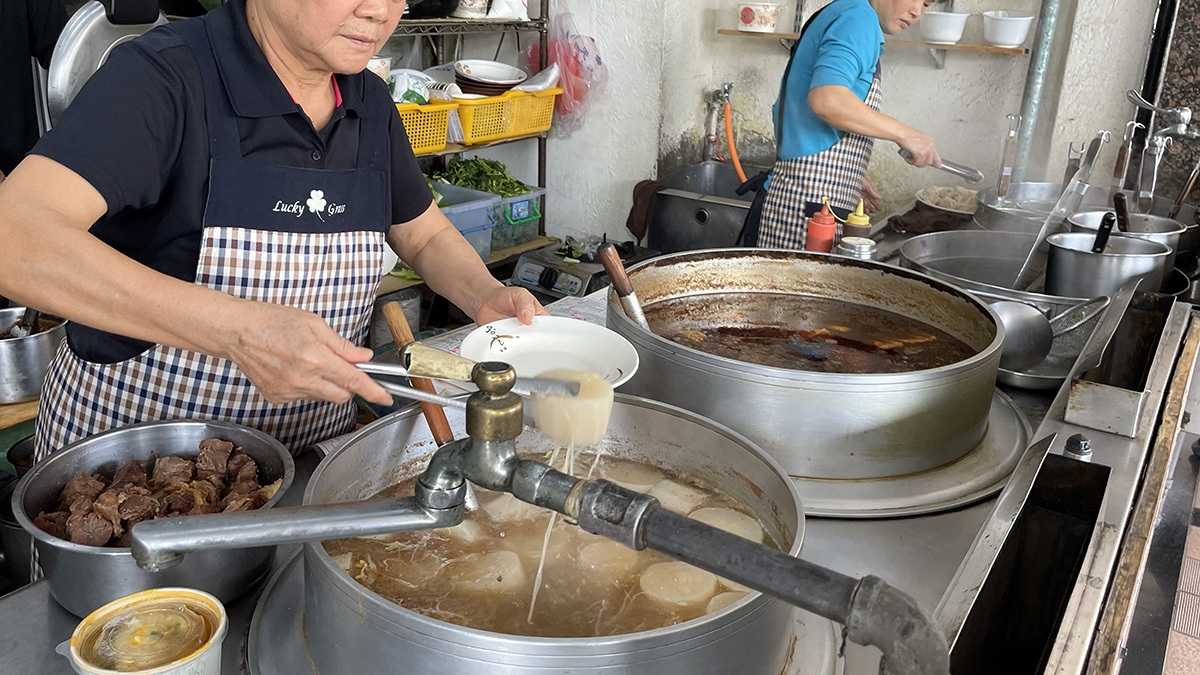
{"x":487,"y":175}
{"x":437,"y":196}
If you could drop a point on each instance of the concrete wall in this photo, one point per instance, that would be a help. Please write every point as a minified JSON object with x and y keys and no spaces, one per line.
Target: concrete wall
{"x":665,"y":56}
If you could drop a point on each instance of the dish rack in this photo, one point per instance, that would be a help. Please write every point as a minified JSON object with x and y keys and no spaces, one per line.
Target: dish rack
{"x":509,"y":115}
{"x":426,"y":124}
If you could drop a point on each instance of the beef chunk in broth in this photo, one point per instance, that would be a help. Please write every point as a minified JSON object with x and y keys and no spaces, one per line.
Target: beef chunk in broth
{"x":53,"y":524}
{"x":89,"y":529}
{"x":214,"y":456}
{"x":170,"y":470}
{"x":82,"y":485}
{"x":136,"y":508}
{"x":132,"y":473}
{"x":80,"y":505}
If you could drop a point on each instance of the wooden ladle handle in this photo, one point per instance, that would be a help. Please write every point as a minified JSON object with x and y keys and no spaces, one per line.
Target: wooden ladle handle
{"x":439,"y":426}
{"x":616,"y":270}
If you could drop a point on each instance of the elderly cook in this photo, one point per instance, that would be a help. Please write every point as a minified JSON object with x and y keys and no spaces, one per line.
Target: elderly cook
{"x":827,"y":116}
{"x":211,"y":214}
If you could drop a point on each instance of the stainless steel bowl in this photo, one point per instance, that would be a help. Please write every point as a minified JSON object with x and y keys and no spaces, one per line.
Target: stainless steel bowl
{"x":352,"y":630}
{"x":83,"y":578}
{"x":24,"y":361}
{"x":15,"y":543}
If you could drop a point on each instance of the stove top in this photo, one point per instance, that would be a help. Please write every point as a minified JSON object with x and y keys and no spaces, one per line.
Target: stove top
{"x":547,"y":270}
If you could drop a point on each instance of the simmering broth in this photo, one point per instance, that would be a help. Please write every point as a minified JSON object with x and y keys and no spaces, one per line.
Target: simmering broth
{"x":481,"y":573}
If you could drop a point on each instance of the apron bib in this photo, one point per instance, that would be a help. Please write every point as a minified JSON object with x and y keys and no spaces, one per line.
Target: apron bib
{"x":308,"y":238}
{"x":799,"y":185}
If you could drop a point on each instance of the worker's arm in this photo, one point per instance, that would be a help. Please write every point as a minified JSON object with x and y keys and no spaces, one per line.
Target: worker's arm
{"x":838,"y":107}
{"x":433,"y":247}
{"x":54,"y":264}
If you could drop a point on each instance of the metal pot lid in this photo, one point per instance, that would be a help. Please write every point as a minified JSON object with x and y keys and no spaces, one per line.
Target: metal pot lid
{"x":980,"y":473}
{"x":275,"y":643}
{"x":86,"y":41}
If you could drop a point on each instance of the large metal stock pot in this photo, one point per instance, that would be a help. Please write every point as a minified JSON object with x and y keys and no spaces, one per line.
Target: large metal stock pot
{"x":83,"y":578}
{"x":838,"y":426}
{"x":351,"y":630}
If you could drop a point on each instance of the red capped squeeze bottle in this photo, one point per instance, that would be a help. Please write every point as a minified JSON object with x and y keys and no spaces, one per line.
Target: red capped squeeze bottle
{"x":821,"y":230}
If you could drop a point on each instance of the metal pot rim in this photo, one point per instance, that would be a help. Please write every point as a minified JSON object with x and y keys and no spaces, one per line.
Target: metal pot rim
{"x":747,"y":606}
{"x":745,"y":369}
{"x":84,"y":444}
{"x":1076,"y":219}
{"x":1062,"y":241}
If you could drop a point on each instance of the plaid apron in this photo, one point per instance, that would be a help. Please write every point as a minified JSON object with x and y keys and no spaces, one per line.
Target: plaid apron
{"x":799,"y":184}
{"x":308,"y":238}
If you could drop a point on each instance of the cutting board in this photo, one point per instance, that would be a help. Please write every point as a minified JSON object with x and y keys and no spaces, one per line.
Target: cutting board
{"x":15,"y":413}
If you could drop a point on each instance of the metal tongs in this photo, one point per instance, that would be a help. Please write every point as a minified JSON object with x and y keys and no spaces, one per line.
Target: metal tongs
{"x":1067,"y":204}
{"x":418,"y":360}
{"x":961,"y":170}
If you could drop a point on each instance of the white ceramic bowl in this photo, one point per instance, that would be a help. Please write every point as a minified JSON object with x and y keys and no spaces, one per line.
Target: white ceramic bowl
{"x":1005,"y":29}
{"x":553,"y":342}
{"x":942,"y":28}
{"x":490,"y":72}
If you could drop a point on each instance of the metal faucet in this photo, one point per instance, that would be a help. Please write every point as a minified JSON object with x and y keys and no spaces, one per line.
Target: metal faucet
{"x":713,"y":109}
{"x":873,"y":612}
{"x":1175,"y":123}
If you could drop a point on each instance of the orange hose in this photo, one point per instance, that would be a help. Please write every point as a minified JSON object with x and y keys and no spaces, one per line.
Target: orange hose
{"x":732,"y":149}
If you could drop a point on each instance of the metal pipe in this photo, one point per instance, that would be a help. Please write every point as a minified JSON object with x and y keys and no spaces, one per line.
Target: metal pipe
{"x":160,"y":544}
{"x":1152,"y":78}
{"x":1035,"y":84}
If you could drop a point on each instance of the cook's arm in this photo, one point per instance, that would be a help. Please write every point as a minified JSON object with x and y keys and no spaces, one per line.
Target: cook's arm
{"x":838,"y":107}
{"x":433,"y":247}
{"x":54,"y":264}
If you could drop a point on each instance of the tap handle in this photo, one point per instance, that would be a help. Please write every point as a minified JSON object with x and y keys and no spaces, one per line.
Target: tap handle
{"x":1171,"y":115}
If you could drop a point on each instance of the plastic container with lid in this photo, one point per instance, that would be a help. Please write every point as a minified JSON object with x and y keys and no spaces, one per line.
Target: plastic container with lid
{"x":162,"y":631}
{"x":821,"y":231}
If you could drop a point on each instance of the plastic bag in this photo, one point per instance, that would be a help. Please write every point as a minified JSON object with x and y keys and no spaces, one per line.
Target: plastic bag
{"x":510,"y":10}
{"x":582,"y":73}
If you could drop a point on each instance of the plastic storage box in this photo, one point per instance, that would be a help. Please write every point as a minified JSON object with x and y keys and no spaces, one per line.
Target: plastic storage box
{"x":426,"y":125}
{"x":517,"y":219}
{"x":480,"y":239}
{"x":511,"y":114}
{"x":468,"y":209}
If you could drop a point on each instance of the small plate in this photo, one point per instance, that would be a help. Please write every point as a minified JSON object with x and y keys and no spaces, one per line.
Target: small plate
{"x":935,"y":207}
{"x":553,"y":342}
{"x":490,"y":72}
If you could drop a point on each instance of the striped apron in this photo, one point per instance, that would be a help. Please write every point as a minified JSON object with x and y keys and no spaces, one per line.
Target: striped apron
{"x":308,"y":238}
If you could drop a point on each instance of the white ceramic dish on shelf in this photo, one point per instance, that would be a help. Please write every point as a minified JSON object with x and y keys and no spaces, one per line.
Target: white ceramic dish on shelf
{"x":490,"y":72}
{"x":553,"y":342}
{"x":942,"y":28}
{"x":1002,"y":28}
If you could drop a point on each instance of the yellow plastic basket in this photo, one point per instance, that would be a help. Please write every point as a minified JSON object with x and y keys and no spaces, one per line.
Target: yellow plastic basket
{"x":426,"y":124}
{"x":511,"y":114}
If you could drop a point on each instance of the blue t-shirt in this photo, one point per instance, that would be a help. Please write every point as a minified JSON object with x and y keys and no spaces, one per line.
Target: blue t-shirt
{"x":842,"y":46}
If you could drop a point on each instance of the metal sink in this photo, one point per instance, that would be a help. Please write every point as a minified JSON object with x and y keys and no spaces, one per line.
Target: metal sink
{"x":699,"y":209}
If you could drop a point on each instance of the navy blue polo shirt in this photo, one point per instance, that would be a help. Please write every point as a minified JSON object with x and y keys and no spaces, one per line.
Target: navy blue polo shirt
{"x":137,"y":133}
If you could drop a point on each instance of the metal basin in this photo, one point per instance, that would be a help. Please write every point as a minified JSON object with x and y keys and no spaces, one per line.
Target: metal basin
{"x":24,"y":361}
{"x":1151,"y":228}
{"x":822,"y":425}
{"x":83,"y":578}
{"x":15,"y":543}
{"x":351,"y":630}
{"x":699,"y":209}
{"x":1073,"y":269}
{"x":984,"y":263}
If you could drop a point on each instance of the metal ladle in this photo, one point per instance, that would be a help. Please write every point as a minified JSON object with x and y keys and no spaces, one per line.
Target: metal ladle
{"x":1029,"y":335}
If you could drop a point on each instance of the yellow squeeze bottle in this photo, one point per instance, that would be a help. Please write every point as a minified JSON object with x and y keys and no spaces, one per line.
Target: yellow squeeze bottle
{"x":858,"y":224}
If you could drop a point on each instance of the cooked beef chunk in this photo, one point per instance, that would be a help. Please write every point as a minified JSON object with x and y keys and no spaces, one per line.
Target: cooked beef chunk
{"x":266,"y":492}
{"x":106,"y":505}
{"x":204,"y":492}
{"x":89,"y":529}
{"x":124,"y":540}
{"x":214,"y":455}
{"x":240,"y":466}
{"x":204,"y":509}
{"x":239,"y":502}
{"x":53,"y":524}
{"x":80,"y":505}
{"x":82,"y":485}
{"x":132,"y":473}
{"x":244,"y":487}
{"x":177,"y":502}
{"x":170,"y":469}
{"x":214,"y":480}
{"x":136,"y":508}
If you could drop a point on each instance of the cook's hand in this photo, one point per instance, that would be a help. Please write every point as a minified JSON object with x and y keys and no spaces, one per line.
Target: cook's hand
{"x":291,"y":355}
{"x":872,"y":201}
{"x":924,"y":152}
{"x":503,"y":302}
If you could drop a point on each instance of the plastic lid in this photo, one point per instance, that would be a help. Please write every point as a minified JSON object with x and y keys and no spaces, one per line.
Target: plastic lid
{"x":859,"y":217}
